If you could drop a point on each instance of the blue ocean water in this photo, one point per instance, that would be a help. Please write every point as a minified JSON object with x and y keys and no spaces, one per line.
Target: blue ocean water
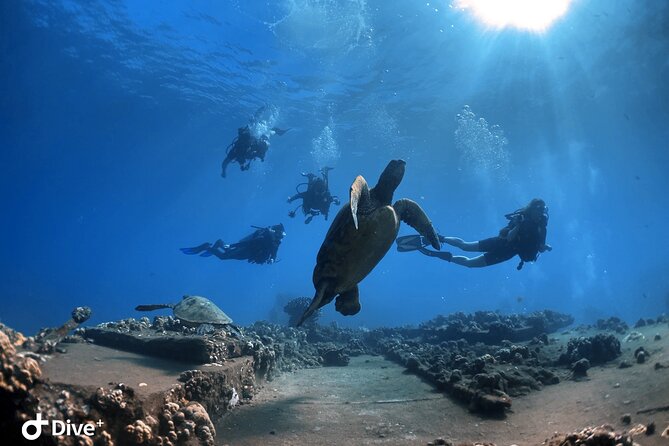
{"x":115,"y":116}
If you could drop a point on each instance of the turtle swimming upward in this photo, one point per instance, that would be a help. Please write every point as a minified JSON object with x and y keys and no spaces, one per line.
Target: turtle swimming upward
{"x":359,"y":237}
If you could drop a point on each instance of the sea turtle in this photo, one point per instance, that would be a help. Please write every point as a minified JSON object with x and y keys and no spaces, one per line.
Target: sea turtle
{"x":359,"y":237}
{"x":193,"y":311}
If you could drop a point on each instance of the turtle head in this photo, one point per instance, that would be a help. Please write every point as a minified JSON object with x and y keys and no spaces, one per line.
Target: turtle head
{"x":390,"y":178}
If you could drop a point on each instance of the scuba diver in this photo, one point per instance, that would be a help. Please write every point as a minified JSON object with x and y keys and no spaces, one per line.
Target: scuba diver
{"x":250,"y":143}
{"x":524,"y":235}
{"x":316,"y":198}
{"x":259,"y":247}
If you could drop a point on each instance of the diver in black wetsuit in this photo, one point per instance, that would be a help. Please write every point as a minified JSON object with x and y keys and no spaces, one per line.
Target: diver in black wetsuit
{"x":246,"y":146}
{"x":524,"y":235}
{"x":316,"y":198}
{"x":259,"y":247}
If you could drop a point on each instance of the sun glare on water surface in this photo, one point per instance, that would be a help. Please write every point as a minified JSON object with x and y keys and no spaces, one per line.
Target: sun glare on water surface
{"x":529,"y":15}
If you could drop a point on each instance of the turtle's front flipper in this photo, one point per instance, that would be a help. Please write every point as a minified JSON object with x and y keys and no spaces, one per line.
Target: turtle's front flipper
{"x":152,"y":307}
{"x":348,"y":302}
{"x":235,"y":330}
{"x":359,"y":194}
{"x":323,"y":297}
{"x":412,"y":214}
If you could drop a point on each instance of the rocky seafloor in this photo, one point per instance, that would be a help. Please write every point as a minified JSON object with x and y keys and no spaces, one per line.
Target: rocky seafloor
{"x":482,"y":360}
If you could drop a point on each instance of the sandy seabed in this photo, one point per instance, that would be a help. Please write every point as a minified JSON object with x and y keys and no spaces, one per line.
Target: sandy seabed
{"x":374,"y":401}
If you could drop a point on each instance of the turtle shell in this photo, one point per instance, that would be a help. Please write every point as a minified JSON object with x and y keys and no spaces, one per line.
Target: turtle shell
{"x":348,"y":254}
{"x":200,"y":310}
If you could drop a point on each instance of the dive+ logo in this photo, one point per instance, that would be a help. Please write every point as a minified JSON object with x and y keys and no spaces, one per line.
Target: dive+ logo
{"x":58,"y":428}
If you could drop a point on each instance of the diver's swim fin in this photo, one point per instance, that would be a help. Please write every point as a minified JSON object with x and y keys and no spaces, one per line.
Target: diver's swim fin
{"x":210,"y":250}
{"x":278,"y":131}
{"x":443,"y":255}
{"x":408,"y":243}
{"x":195,"y":249}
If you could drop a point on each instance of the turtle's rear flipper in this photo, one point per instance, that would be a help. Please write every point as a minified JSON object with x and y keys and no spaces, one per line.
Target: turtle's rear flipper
{"x":152,"y":307}
{"x":412,"y":214}
{"x":348,"y":302}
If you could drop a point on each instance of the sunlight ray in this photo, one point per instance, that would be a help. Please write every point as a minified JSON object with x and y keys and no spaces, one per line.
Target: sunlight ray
{"x":529,"y":15}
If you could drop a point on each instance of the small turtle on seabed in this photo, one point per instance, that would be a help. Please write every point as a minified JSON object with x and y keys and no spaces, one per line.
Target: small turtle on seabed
{"x":359,"y":237}
{"x":196,"y":311}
